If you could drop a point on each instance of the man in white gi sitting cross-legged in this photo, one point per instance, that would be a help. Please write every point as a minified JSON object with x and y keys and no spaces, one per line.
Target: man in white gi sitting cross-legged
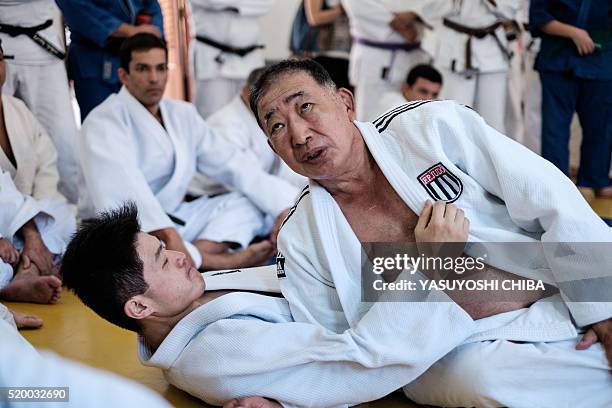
{"x":138,"y":146}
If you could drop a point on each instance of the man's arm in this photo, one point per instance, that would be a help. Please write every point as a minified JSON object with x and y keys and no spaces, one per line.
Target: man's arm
{"x":223,"y":161}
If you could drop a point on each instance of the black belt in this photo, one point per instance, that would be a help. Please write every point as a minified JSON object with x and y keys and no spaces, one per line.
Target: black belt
{"x":478,"y":33}
{"x":32,"y":32}
{"x":229,"y":49}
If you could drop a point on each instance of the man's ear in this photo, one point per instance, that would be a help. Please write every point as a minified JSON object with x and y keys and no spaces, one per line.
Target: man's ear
{"x":406,"y":90}
{"x":348,"y":100}
{"x":138,"y":307}
{"x":123,"y":75}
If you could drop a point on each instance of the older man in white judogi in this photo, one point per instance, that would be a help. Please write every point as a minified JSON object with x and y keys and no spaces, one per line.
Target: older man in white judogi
{"x":138,"y":146}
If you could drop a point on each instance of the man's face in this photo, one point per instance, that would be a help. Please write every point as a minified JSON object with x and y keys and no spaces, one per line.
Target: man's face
{"x":422,"y":89}
{"x":147,"y":77}
{"x":173,"y":284}
{"x":310,"y":126}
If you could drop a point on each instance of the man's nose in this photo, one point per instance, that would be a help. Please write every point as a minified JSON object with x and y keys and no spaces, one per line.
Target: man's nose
{"x":299,"y":131}
{"x":181,"y":259}
{"x":153,"y":76}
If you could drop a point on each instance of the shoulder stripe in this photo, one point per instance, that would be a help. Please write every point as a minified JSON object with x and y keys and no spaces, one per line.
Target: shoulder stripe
{"x":383,"y":125}
{"x":303,"y":194}
{"x":381,"y":118}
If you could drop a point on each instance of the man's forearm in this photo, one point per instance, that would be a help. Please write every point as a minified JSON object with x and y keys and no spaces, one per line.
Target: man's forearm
{"x":559,"y":29}
{"x":29,"y":231}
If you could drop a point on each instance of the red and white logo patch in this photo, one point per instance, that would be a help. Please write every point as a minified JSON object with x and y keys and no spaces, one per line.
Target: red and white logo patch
{"x":441,"y":184}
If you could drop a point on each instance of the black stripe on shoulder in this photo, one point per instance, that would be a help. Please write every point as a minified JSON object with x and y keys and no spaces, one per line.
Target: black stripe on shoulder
{"x":304,"y":193}
{"x":382,"y":117}
{"x":383,"y":125}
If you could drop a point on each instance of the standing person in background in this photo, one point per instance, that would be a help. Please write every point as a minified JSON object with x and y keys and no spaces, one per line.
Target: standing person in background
{"x":334,"y":38}
{"x":36,"y":74}
{"x":97,"y":28}
{"x":472,"y":53}
{"x":386,"y":44}
{"x":575,"y":66}
{"x":227,"y":48}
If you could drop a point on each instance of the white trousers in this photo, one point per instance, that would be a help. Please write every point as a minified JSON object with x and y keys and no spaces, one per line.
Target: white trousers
{"x":213,"y":94}
{"x":485,"y":92}
{"x":374,"y":72}
{"x":227,"y":217}
{"x":501,"y":373}
{"x":45,"y":91}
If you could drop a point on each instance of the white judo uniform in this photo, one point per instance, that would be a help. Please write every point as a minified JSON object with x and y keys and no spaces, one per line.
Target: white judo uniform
{"x":219,"y":74}
{"x":374,"y":66}
{"x":320,"y":257}
{"x":40,"y":80}
{"x":127,"y":155}
{"x":479,"y":80}
{"x":21,"y":365}
{"x":237,"y":124}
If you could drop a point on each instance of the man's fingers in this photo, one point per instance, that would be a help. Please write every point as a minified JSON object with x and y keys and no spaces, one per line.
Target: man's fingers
{"x":450,"y":213}
{"x":439,"y":209}
{"x":589,"y":338}
{"x":425,"y":216}
{"x":26,"y":262}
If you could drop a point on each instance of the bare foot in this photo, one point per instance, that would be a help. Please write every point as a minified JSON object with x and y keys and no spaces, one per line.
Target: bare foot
{"x":26,"y":321}
{"x":33,"y":288}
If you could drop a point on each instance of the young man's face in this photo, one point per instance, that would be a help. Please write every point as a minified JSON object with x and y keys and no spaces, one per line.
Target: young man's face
{"x":173,"y":284}
{"x":309,"y":126}
{"x":422,"y":89}
{"x":147,"y":77}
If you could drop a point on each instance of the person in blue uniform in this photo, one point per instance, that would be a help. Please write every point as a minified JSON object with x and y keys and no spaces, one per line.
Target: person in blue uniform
{"x":97,"y":28}
{"x":575,"y":67}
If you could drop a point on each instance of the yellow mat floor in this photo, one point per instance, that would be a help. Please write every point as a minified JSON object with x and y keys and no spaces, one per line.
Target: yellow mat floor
{"x":72,"y":330}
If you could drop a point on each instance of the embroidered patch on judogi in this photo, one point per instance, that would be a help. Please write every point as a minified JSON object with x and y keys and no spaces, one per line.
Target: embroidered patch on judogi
{"x":441,"y":184}
{"x":280,"y":266}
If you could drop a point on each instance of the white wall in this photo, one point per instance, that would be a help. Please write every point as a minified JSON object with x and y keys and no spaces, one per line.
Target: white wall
{"x":276,"y":27}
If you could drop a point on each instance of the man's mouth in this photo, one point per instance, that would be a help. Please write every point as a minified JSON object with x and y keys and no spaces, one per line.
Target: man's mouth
{"x":313,"y":155}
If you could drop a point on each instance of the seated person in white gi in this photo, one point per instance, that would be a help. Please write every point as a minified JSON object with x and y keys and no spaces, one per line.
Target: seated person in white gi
{"x":423,"y":83}
{"x":35,"y":221}
{"x":370,"y":180}
{"x":236,"y":122}
{"x":140,"y":147}
{"x":224,"y":344}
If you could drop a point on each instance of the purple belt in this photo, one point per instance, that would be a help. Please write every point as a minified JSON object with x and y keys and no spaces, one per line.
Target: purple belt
{"x":388,"y":46}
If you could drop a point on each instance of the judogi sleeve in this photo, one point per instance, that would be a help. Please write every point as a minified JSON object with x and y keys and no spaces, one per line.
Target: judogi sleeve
{"x":89,"y":20}
{"x":46,"y":177}
{"x":535,"y":192}
{"x":111,"y":172}
{"x":539,"y":15}
{"x":244,"y":7}
{"x":302,"y":364}
{"x":15,"y":208}
{"x":223,"y":161}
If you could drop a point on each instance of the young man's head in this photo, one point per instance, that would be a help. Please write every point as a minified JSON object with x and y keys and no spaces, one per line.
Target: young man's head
{"x":423,"y":83}
{"x":144,"y":67}
{"x":127,"y":276}
{"x":308,"y":120}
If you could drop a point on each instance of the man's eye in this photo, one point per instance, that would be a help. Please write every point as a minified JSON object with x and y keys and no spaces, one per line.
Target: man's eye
{"x":275,"y":127}
{"x":165,"y":263}
{"x":306,"y":107}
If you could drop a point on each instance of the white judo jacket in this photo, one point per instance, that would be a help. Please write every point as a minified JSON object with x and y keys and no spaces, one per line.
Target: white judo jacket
{"x":127,"y":155}
{"x":508,"y":193}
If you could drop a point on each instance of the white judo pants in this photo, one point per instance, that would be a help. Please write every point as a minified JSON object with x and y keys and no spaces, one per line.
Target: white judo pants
{"x":213,"y":94}
{"x":374,"y":72}
{"x":505,"y":374}
{"x":484,"y":92}
{"x":45,"y":91}
{"x":227,"y":217}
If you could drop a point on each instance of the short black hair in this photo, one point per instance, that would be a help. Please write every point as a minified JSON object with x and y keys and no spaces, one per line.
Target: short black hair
{"x":101,"y":265}
{"x":289,"y":66}
{"x":139,"y":42}
{"x":423,"y":71}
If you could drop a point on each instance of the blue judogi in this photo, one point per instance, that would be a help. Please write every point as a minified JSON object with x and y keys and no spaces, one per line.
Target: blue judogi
{"x":574,"y":83}
{"x":92,"y":62}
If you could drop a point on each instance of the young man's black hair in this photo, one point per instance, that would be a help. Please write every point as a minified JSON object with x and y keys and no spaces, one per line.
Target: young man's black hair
{"x":423,"y":71}
{"x":101,"y":265}
{"x":139,"y":42}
